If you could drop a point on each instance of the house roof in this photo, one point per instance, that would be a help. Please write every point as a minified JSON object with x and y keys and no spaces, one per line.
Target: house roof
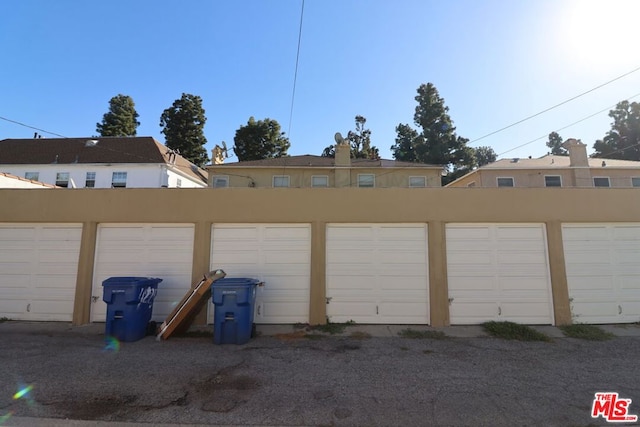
{"x":551,"y":161}
{"x":145,"y":149}
{"x":38,"y":183}
{"x":309,"y":160}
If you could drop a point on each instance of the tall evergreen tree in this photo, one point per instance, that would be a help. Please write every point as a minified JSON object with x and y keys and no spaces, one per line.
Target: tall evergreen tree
{"x":436,"y":142}
{"x":555,"y":143}
{"x":183,"y":127}
{"x":259,"y":140}
{"x":121,"y":120}
{"x":623,"y":140}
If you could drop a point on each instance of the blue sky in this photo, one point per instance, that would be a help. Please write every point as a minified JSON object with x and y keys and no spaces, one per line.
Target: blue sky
{"x":494,"y":62}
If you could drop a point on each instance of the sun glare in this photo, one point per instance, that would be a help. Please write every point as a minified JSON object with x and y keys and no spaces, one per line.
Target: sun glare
{"x":601,"y":32}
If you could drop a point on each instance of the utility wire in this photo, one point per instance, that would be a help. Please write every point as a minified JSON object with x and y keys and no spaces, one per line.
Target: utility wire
{"x":555,"y":106}
{"x":295,"y":74}
{"x":31,"y":127}
{"x":565,"y":127}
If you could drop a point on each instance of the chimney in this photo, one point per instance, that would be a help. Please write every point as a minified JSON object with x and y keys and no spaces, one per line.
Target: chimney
{"x":577,"y":153}
{"x":343,"y":154}
{"x":217,"y":155}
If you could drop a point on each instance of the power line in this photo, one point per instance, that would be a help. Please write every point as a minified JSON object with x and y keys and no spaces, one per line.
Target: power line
{"x":555,"y":106}
{"x":565,"y":127}
{"x":295,"y":74}
{"x":32,"y":127}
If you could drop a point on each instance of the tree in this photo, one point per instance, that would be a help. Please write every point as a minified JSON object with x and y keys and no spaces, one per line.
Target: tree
{"x":484,"y":155}
{"x":259,"y":140}
{"x":436,"y":142}
{"x":623,"y":140}
{"x":555,"y":143}
{"x":183,"y":127}
{"x":121,"y":118}
{"x":360,"y":142}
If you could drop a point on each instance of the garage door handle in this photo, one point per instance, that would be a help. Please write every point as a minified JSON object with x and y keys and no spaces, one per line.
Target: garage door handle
{"x":619,"y":310}
{"x":258,"y":310}
{"x":499,"y":311}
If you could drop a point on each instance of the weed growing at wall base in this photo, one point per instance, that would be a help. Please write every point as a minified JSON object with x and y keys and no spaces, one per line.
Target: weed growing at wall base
{"x":514,"y":331}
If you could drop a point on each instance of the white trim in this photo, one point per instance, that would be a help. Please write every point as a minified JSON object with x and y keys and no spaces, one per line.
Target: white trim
{"x":513,"y":181}
{"x":320,"y":176}
{"x":423,"y":177}
{"x":273,"y":181}
{"x":593,"y":180}
{"x":552,"y":176}
{"x":367,"y":174}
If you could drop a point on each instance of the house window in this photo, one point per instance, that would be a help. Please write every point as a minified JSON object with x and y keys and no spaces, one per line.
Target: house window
{"x":178,"y":183}
{"x":635,"y":181}
{"x":417,"y":181}
{"x":367,"y":180}
{"x":33,"y":176}
{"x":62,"y":179}
{"x":505,"y":182}
{"x":320,"y":181}
{"x":280,"y":180}
{"x":220,"y":181}
{"x":552,"y":181}
{"x":471,"y":184}
{"x":90,"y":180}
{"x":119,"y":180}
{"x":601,"y":181}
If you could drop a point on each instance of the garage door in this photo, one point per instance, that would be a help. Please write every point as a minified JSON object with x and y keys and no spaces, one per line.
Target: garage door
{"x":145,"y":250}
{"x":498,"y":272}
{"x":277,"y":254}
{"x":377,"y":273}
{"x":38,"y":271}
{"x":603,"y":272}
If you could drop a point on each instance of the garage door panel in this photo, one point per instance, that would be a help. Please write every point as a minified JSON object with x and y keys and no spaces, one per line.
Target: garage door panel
{"x":286,"y":257}
{"x":490,"y":265}
{"x":373,"y":270}
{"x":603,"y":272}
{"x":630,"y":311}
{"x":38,"y":262}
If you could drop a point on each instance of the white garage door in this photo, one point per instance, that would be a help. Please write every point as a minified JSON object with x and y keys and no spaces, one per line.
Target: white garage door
{"x":377,"y":273}
{"x":144,"y":250}
{"x":277,"y":254}
{"x":603,"y":272}
{"x":498,"y":272}
{"x":38,"y":271}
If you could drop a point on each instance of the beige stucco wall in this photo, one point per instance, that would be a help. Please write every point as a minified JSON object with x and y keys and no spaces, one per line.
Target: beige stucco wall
{"x":301,"y":177}
{"x":577,"y":177}
{"x":435,"y":206}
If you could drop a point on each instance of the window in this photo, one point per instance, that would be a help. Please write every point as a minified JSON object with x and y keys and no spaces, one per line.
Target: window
{"x":90,"y":180}
{"x":505,"y":182}
{"x":280,"y":180}
{"x":601,"y":181}
{"x":62,"y":179}
{"x":178,"y":183}
{"x":119,"y":180}
{"x":220,"y":181}
{"x":417,"y":181}
{"x":367,"y":180}
{"x":33,"y":176}
{"x":320,"y":181}
{"x":635,"y":181}
{"x":552,"y":181}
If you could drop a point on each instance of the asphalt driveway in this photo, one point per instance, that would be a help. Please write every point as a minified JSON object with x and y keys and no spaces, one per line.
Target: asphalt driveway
{"x":364,"y":377}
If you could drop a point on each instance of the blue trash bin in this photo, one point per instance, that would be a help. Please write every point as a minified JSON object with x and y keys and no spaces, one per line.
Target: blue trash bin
{"x":129,"y":306}
{"x":234,"y":300}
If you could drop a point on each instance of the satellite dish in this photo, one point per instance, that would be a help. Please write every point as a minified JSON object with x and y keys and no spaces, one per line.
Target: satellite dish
{"x":225,"y":151}
{"x":338,"y":137}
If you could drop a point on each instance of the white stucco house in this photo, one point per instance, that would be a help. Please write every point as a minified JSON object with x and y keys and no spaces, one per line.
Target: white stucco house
{"x":99,"y":162}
